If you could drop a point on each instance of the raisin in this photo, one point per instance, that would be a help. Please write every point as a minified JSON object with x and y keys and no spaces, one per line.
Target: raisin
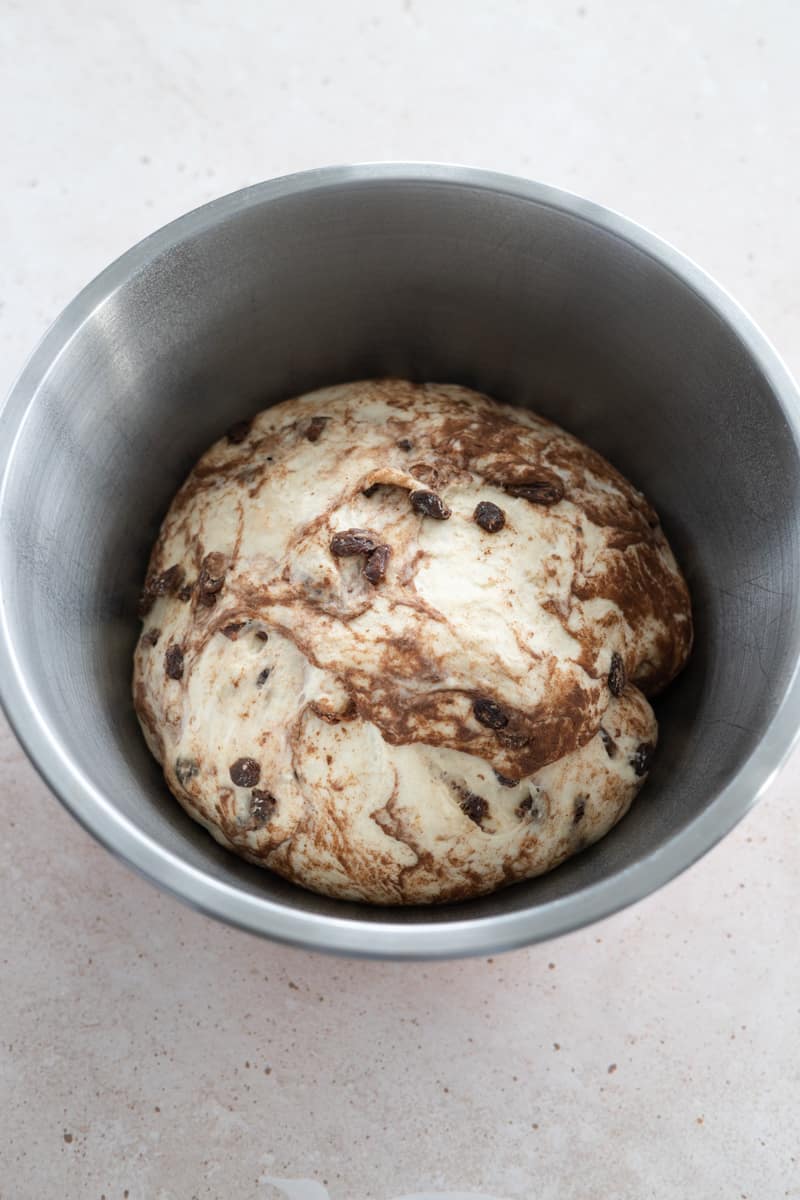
{"x":238,"y":432}
{"x":262,"y":805}
{"x":489,"y":714}
{"x":245,"y":772}
{"x":185,"y":769}
{"x":526,"y":809}
{"x":315,"y":428}
{"x":352,"y":541}
{"x":211,"y":578}
{"x":643,"y":758}
{"x":474,"y":807}
{"x":489,"y":516}
{"x":539,"y":491}
{"x":580,"y":810}
{"x":376,"y":564}
{"x":173,"y":662}
{"x":167,"y":582}
{"x":232,"y":631}
{"x":428,"y":504}
{"x":144,"y":604}
{"x":617,"y":676}
{"x":608,"y":742}
{"x":159,"y":585}
{"x":263,"y":677}
{"x":151,"y":637}
{"x":505,"y":781}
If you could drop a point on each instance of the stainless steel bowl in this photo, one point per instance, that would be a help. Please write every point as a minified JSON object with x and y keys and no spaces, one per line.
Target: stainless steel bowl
{"x":432,"y":272}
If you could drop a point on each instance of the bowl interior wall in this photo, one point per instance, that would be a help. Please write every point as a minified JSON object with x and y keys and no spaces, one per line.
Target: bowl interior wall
{"x":429,"y":281}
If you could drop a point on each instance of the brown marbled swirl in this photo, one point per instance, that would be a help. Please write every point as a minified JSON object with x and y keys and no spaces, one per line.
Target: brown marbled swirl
{"x":357,"y":684}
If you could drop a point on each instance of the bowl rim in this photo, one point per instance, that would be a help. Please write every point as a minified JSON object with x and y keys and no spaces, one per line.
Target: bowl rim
{"x":348,"y":935}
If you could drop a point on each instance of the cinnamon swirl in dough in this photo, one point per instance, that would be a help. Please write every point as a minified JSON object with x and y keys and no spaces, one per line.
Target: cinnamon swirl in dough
{"x":397,"y":642}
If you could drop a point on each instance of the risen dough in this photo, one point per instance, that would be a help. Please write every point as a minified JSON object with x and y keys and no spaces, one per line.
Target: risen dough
{"x":397,"y":639}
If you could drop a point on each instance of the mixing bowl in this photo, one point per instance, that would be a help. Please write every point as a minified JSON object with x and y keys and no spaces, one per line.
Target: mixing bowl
{"x":436,"y":273}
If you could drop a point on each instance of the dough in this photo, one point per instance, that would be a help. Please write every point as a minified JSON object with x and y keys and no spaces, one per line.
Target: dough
{"x":397,"y":641}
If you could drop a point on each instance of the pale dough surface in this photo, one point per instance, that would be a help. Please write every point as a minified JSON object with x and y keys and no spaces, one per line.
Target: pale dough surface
{"x":427,"y":722}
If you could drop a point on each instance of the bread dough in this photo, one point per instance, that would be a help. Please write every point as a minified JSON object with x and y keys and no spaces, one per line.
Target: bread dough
{"x":397,"y":640}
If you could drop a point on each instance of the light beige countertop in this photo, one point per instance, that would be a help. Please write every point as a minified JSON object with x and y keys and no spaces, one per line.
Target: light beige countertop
{"x":146,"y":1052}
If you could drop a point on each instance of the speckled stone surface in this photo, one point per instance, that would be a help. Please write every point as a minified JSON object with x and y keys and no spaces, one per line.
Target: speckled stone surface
{"x":147,"y":1052}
